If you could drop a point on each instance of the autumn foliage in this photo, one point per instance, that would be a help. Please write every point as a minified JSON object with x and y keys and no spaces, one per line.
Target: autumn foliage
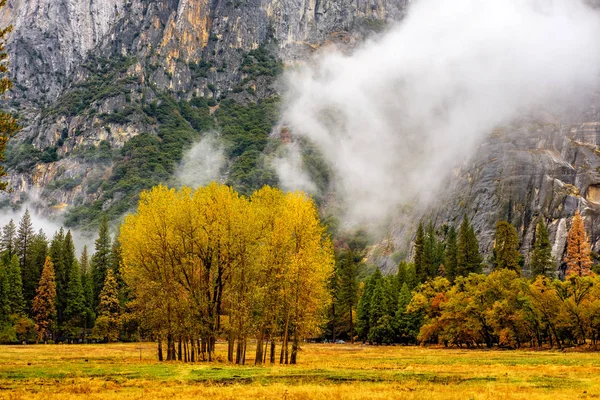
{"x":209,"y":262}
{"x":578,"y":257}
{"x":44,"y":307}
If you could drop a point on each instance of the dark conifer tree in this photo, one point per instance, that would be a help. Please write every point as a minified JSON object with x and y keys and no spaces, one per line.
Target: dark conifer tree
{"x":16,"y":302}
{"x":101,"y":260}
{"x":420,"y":267}
{"x":450,"y":255}
{"x":468,"y":257}
{"x":506,"y":247}
{"x":33,"y":272}
{"x":9,"y":233}
{"x":542,"y":262}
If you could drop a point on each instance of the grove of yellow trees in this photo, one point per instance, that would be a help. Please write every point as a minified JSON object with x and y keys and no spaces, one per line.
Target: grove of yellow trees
{"x":208,"y":262}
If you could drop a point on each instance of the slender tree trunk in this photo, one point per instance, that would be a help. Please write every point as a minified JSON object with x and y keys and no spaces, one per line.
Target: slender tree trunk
{"x":244,"y":352}
{"x":259,"y":348}
{"x":193,"y":353}
{"x":238,"y":354}
{"x":203,"y":347}
{"x":179,"y":351}
{"x":185,"y":351}
{"x":295,"y":346}
{"x":230,"y":346}
{"x":160,"y":351}
{"x":272,"y":357}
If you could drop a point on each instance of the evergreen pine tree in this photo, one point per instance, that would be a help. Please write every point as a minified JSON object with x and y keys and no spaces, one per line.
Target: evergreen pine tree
{"x":16,"y":302}
{"x":411,"y":276}
{"x":7,"y":243}
{"x":407,"y":326}
{"x":542,"y":261}
{"x":450,"y":255}
{"x":33,"y":272}
{"x":578,"y":257}
{"x":428,"y":264}
{"x":401,"y":276}
{"x":88,"y":291}
{"x":506,"y":247}
{"x":363,"y":311}
{"x":101,"y":259}
{"x":75,"y":307}
{"x":468,"y":258}
{"x":420,"y":267}
{"x":56,"y":252}
{"x":109,"y":308}
{"x":348,"y":290}
{"x":378,"y":306}
{"x":44,"y":309}
{"x":5,"y":310}
{"x":23,"y":240}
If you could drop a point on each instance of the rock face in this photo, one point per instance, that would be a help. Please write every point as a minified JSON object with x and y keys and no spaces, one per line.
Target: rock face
{"x":84,"y":70}
{"x":546,"y":168}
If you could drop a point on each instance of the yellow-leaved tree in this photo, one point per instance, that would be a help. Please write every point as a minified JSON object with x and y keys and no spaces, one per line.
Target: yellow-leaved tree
{"x":207,"y":262}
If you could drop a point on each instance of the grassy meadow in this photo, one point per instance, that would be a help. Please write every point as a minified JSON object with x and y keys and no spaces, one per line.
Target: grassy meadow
{"x":115,"y":371}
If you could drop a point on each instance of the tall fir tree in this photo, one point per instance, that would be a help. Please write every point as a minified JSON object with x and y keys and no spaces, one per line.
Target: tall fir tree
{"x":16,"y":302}
{"x":411,"y":276}
{"x":4,"y":301}
{"x":468,"y":258}
{"x":44,"y":309}
{"x":378,"y":303}
{"x":407,"y":324}
{"x":506,"y":247}
{"x":450,"y":256}
{"x":578,"y":257}
{"x":429,"y":246}
{"x":75,"y":307}
{"x":9,"y":233}
{"x":101,"y":260}
{"x":33,"y":271}
{"x":542,"y":262}
{"x":401,"y":275}
{"x":56,"y":253}
{"x":420,"y":263}
{"x":348,"y":290}
{"x":25,"y":235}
{"x":363,"y":310}
{"x":88,"y":291}
{"x":109,"y":308}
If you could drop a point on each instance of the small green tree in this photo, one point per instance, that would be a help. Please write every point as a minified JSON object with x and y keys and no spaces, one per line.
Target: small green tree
{"x":468,"y":258}
{"x":16,"y":302}
{"x":33,"y":272}
{"x":420,"y":263}
{"x":542,"y":262}
{"x":450,"y":256}
{"x":506,"y":247}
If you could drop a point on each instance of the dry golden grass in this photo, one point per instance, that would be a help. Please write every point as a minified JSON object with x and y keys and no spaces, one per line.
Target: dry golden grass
{"x":114,"y":371}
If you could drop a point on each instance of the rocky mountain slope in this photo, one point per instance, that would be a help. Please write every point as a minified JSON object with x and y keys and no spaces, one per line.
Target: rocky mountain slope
{"x":103,"y":86}
{"x":110,"y":94}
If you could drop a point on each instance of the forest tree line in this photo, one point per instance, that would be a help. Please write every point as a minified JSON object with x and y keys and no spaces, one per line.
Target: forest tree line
{"x":190,"y":266}
{"x":442,"y":297}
